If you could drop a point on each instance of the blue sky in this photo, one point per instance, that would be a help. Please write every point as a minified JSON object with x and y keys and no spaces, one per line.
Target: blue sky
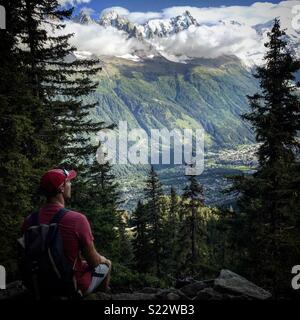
{"x":157,"y":5}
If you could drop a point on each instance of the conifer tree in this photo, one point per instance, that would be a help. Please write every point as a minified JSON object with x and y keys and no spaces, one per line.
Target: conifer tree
{"x":124,"y":245}
{"x":170,"y":230}
{"x":44,"y":119}
{"x":269,"y":198}
{"x":21,"y":149}
{"x":141,"y":240}
{"x":191,"y":229}
{"x":60,"y":81}
{"x":153,"y":196}
{"x":97,"y":195}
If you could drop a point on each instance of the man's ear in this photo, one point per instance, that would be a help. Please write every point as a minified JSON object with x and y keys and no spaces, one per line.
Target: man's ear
{"x":61,"y":189}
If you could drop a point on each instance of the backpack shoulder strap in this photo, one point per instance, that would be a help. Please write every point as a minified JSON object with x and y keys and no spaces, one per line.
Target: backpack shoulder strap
{"x":33,"y":219}
{"x":59,"y":215}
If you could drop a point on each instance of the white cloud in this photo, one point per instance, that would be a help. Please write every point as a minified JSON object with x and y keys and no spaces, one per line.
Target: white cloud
{"x":86,"y":10}
{"x":211,"y":41}
{"x":119,"y":10}
{"x":72,"y":2}
{"x":143,"y":17}
{"x":101,"y":41}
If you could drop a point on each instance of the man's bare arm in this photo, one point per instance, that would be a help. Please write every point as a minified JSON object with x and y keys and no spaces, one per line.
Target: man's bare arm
{"x":93,"y":258}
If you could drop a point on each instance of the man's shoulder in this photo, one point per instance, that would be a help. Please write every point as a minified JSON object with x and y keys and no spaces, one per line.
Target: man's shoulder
{"x":76,"y":215}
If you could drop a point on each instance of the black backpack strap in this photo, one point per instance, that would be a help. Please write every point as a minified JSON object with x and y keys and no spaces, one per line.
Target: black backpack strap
{"x":59,"y":215}
{"x":33,"y":219}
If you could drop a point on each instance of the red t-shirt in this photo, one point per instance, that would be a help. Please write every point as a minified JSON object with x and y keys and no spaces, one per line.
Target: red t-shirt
{"x":76,"y":234}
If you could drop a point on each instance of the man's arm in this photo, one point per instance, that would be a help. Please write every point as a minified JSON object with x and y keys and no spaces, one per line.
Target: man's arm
{"x":93,"y":258}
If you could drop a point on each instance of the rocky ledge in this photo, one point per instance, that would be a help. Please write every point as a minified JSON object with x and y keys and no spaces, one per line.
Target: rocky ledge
{"x":228,"y":286}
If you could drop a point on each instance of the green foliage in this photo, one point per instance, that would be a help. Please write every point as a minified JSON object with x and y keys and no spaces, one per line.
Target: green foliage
{"x":125,"y":279}
{"x":43,"y":117}
{"x":269,"y":201}
{"x":179,"y":215}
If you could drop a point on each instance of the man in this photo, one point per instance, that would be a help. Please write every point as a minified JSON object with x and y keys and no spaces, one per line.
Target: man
{"x":76,"y":232}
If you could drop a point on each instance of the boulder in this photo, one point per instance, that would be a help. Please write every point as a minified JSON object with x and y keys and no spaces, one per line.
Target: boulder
{"x":192,"y":289}
{"x":133,"y":296}
{"x":14,"y":290}
{"x":173,"y":296}
{"x":98,"y":296}
{"x":231,"y":283}
{"x":183,"y":282}
{"x":208,"y":294}
{"x":149,"y":290}
{"x":163,"y":293}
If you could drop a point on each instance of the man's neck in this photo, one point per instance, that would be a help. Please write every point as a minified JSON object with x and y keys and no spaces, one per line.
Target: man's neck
{"x":59,"y":200}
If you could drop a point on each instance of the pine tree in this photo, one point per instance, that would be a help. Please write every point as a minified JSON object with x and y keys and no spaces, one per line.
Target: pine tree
{"x":124,"y":245}
{"x":96,"y":194}
{"x":173,"y":213}
{"x":21,"y":149}
{"x":44,"y":120}
{"x":60,"y":82}
{"x":170,"y":230}
{"x":153,"y":196}
{"x":270,"y":198}
{"x":141,"y":241}
{"x":191,"y":230}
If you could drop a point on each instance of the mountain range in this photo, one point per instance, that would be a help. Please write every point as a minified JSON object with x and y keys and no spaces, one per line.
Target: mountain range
{"x":152,"y":32}
{"x":151,"y":90}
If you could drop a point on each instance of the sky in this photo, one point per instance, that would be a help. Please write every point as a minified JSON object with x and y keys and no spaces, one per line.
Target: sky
{"x":157,"y":5}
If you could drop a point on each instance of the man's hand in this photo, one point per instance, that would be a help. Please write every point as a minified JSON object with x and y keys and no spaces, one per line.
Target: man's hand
{"x":106,"y":261}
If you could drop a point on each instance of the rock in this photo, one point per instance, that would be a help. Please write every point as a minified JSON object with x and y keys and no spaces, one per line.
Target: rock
{"x":208,"y":294}
{"x":14,"y":290}
{"x":183,"y":282}
{"x":149,"y":290}
{"x":232,"y":283}
{"x":98,"y":296}
{"x":192,"y":289}
{"x":228,"y":286}
{"x":133,"y":296}
{"x":173,"y":296}
{"x":235,"y":297}
{"x":183,"y":296}
{"x":163,"y":293}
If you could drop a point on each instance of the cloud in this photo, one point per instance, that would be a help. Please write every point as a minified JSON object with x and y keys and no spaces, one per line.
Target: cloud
{"x":211,"y":41}
{"x":100,"y":40}
{"x":119,"y":10}
{"x":87,"y":11}
{"x":72,"y":2}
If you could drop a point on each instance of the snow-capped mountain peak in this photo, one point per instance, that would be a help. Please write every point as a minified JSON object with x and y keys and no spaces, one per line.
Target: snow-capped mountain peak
{"x":84,"y":18}
{"x":152,"y":28}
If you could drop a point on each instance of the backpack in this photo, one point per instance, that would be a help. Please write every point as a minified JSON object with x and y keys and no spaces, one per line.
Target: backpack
{"x":44,"y":268}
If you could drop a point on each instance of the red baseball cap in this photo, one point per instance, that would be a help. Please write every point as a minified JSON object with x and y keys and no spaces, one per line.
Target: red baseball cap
{"x":53,"y":179}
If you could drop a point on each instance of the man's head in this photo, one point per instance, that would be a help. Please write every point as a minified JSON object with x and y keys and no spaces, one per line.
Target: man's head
{"x":57,"y":183}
